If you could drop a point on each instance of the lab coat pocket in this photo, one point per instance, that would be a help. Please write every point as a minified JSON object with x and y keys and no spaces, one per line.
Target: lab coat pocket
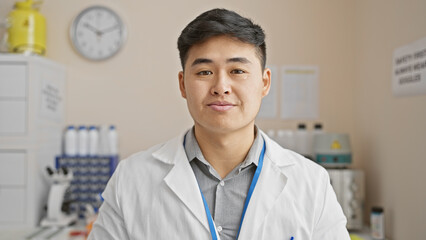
{"x":286,"y":220}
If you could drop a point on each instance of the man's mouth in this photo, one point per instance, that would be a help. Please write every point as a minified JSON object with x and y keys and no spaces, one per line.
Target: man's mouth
{"x":220,"y":106}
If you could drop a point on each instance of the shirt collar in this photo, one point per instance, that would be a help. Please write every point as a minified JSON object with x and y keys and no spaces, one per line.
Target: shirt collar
{"x":193,"y":150}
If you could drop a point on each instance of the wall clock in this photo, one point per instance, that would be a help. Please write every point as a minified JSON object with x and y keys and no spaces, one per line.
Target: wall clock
{"x":97,"y":33}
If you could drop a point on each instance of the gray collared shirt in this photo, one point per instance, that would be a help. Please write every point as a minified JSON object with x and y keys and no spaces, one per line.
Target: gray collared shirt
{"x":225,"y":197}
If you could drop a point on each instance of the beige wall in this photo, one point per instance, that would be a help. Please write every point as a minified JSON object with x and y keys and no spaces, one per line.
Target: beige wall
{"x":137,"y":89}
{"x":350,"y":41}
{"x":390,"y":131}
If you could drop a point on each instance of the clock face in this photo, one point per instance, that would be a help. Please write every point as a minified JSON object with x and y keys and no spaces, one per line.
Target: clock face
{"x":97,"y":33}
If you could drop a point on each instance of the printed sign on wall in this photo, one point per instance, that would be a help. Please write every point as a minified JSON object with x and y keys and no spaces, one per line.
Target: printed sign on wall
{"x":409,"y":69}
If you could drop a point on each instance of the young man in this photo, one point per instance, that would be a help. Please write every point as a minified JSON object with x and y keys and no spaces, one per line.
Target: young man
{"x":224,"y":178}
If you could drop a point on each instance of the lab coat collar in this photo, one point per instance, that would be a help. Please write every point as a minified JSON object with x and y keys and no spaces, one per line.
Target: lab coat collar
{"x":170,"y":151}
{"x":181,"y":180}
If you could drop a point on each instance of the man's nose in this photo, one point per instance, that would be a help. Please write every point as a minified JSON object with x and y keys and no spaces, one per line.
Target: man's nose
{"x":222,"y":85}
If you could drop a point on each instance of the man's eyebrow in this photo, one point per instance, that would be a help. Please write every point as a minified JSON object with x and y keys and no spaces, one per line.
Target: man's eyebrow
{"x":238,"y":59}
{"x":200,"y":61}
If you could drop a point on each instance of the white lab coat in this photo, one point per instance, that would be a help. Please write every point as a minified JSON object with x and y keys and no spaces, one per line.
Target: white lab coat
{"x":154,"y":195}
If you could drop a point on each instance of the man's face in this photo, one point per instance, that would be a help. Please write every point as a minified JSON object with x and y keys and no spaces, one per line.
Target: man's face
{"x":223,"y":84}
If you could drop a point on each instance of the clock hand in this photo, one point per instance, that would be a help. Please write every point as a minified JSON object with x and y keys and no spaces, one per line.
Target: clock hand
{"x":109,"y":29}
{"x":93,"y":29}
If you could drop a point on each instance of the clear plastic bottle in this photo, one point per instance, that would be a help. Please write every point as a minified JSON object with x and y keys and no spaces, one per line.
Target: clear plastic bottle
{"x":70,"y":141}
{"x":113,"y":141}
{"x":93,"y":141}
{"x":83,"y":141}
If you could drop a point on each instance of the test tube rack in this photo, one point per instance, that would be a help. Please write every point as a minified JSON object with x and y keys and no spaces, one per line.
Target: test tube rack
{"x":91,"y":175}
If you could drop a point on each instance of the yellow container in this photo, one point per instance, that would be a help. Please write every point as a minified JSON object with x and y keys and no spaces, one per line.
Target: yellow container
{"x":27,"y":29}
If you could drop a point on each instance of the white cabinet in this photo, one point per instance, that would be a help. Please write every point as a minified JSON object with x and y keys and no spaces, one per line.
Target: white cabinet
{"x":32,"y":101}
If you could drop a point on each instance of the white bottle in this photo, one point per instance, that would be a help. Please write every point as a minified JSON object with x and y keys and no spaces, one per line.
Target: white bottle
{"x":302,"y":140}
{"x":103,"y":141}
{"x":83,"y":141}
{"x":113,"y":141}
{"x":93,"y":141}
{"x":70,"y":141}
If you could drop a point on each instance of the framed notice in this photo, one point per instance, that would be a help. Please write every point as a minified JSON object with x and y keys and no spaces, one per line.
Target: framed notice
{"x":409,"y":69}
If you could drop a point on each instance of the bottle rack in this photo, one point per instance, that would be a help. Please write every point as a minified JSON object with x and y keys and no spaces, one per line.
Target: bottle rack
{"x":91,"y":175}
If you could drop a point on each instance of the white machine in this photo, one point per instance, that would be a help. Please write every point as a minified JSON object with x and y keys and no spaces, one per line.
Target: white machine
{"x":332,"y":149}
{"x":350,"y":191}
{"x":61,"y":180}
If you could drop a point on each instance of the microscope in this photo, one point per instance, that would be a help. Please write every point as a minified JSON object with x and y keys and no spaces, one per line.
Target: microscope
{"x":56,"y":217}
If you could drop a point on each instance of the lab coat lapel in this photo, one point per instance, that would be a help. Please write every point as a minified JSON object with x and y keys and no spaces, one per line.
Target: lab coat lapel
{"x":270,"y":186}
{"x":181,"y":179}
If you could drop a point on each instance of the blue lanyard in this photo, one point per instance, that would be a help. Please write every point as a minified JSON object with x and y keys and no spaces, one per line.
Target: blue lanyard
{"x":250,"y":192}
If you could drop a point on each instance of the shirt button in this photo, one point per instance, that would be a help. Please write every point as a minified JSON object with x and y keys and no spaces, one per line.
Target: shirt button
{"x":222,"y":183}
{"x":219,"y":229}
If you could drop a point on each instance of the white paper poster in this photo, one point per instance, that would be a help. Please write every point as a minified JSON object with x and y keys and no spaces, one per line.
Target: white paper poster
{"x":51,"y":97}
{"x":268,"y":109}
{"x":409,"y":69}
{"x":299,"y":92}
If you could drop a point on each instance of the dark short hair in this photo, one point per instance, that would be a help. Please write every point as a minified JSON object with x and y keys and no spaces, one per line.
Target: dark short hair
{"x":218,"y":22}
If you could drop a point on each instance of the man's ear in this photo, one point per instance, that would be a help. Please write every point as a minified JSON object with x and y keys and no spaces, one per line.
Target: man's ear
{"x":182,"y":84}
{"x":266,"y":79}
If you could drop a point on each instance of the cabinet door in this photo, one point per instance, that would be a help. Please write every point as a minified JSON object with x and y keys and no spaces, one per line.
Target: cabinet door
{"x":13,"y":80}
{"x":13,"y":117}
{"x":12,"y":205}
{"x":13,"y":168}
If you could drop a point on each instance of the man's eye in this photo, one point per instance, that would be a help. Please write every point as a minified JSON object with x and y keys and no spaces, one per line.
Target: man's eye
{"x":205,"y":73}
{"x":237,"y":71}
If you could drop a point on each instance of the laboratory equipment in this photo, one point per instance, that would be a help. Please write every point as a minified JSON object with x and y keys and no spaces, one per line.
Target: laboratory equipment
{"x":91,"y":175}
{"x":349,"y":187}
{"x":32,"y":100}
{"x":27,"y":28}
{"x":55,"y":215}
{"x":332,"y":149}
